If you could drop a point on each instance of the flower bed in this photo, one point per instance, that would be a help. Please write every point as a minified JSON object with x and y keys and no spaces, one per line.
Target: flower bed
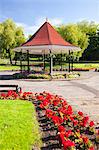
{"x":46,"y":76}
{"x":75,"y":69}
{"x":83,"y":69}
{"x":11,"y":95}
{"x":72,"y":130}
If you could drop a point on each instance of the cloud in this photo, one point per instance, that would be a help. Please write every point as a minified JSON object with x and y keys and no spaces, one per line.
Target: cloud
{"x":31,"y":29}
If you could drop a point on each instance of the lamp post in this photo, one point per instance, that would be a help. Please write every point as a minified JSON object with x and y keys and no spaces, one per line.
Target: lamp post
{"x":51,"y":63}
{"x":28,"y":61}
{"x":72,"y":60}
{"x":21,"y":60}
{"x":44,"y":61}
{"x":69,"y":62}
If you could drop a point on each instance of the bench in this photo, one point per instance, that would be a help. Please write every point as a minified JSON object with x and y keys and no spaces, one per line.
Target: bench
{"x":10,"y":87}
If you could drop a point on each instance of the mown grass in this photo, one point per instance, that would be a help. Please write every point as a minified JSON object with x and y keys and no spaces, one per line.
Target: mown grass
{"x":18,"y":125}
{"x":87,"y":65}
{"x":5,"y":68}
{"x":5,"y":65}
{"x":4,"y":61}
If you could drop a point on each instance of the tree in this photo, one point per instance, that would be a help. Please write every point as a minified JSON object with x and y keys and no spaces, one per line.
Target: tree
{"x":1,"y":30}
{"x":92,"y":51}
{"x":88,"y":28}
{"x":10,"y":37}
{"x":74,"y":35}
{"x":91,"y":29}
{"x":80,"y":34}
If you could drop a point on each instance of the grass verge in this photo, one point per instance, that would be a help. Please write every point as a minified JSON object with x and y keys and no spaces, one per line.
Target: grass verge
{"x":18,"y":125}
{"x":5,"y":67}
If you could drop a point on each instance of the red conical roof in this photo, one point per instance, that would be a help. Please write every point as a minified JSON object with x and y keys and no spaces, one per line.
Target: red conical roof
{"x":46,"y":35}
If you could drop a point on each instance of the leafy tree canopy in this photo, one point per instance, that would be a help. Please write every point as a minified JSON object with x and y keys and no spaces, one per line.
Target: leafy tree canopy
{"x":78,"y":34}
{"x":10,"y":36}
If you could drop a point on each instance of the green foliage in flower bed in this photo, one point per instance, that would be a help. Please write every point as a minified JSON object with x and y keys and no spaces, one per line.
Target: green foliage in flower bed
{"x":46,"y":76}
{"x":58,"y":76}
{"x":70,"y":75}
{"x":38,"y":76}
{"x":18,"y":125}
{"x":73,"y":75}
{"x":19,"y":76}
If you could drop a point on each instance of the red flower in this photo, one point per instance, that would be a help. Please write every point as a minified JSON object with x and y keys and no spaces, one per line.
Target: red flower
{"x":85,"y":121}
{"x":91,"y":148}
{"x":86,"y":118}
{"x":97,"y":131}
{"x":61,"y":135}
{"x":10,"y":93}
{"x":57,"y":120}
{"x":91,"y":124}
{"x":85,"y":139}
{"x":3,"y":95}
{"x":41,"y":106}
{"x":61,"y":128}
{"x":68,"y":133}
{"x":69,"y":110}
{"x":64,"y":103}
{"x":55,"y":102}
{"x":49,"y":113}
{"x":68,"y":144}
{"x":65,"y":118}
{"x":40,"y":97}
{"x":49,"y":96}
{"x":71,"y":118}
{"x":80,"y":113}
{"x":15,"y":95}
{"x":45,"y":102}
{"x":75,"y":122}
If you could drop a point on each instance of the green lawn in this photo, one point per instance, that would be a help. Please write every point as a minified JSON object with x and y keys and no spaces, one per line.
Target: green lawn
{"x":87,"y":65}
{"x":5,"y":67}
{"x":4,"y":61}
{"x":18,"y":125}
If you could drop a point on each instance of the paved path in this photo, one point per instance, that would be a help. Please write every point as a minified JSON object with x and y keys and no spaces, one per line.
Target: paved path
{"x":82,"y":94}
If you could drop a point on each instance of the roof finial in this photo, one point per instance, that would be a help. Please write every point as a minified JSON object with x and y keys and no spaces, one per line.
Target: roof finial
{"x":46,"y":19}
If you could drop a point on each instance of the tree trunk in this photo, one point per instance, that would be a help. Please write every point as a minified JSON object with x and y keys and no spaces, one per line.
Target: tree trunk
{"x":10,"y":56}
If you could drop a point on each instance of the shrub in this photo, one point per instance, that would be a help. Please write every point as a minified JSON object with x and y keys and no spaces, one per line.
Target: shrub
{"x":38,"y":76}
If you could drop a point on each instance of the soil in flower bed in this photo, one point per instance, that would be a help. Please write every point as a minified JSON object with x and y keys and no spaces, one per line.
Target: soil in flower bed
{"x":49,"y":133}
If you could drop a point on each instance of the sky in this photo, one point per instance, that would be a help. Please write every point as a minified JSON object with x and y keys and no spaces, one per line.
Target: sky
{"x":30,"y":14}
